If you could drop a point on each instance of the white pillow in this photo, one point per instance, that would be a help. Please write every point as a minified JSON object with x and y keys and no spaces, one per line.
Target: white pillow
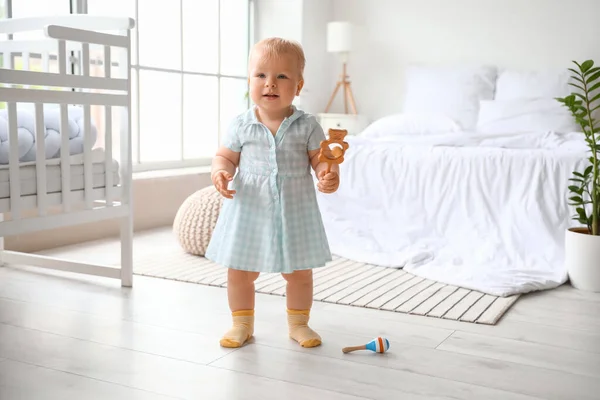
{"x":452,"y":91}
{"x":409,"y":124}
{"x":529,"y":84}
{"x":525,"y":115}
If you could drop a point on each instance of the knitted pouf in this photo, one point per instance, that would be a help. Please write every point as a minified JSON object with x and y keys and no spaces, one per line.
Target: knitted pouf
{"x":196,"y":219}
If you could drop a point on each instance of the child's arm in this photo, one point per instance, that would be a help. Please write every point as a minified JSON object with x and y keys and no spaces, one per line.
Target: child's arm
{"x":223,"y":168}
{"x":328,"y":182}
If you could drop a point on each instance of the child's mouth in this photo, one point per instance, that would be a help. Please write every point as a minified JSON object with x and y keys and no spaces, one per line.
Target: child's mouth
{"x":271,"y":96}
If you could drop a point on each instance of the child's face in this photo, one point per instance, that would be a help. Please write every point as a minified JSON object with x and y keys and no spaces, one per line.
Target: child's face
{"x":274,"y":81}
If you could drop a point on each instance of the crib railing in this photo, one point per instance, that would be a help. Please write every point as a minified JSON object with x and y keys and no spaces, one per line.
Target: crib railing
{"x":69,"y":43}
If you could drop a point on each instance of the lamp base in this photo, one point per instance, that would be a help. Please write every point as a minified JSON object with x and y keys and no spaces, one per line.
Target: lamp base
{"x":348,"y":96}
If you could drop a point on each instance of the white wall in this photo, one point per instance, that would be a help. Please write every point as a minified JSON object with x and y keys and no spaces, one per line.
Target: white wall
{"x":281,"y":18}
{"x":510,"y":33}
{"x":317,"y":82}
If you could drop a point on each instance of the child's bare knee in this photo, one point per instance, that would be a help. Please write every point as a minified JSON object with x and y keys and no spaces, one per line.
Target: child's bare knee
{"x":241,"y":277}
{"x":299,"y":277}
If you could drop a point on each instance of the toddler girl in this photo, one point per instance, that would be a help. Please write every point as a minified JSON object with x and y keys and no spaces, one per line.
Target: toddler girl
{"x":270,"y":220}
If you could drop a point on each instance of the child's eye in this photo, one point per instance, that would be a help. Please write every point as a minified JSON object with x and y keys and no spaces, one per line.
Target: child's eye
{"x":260,"y":75}
{"x":281,"y":77}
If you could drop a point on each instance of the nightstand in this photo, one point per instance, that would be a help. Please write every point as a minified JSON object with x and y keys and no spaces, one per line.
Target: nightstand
{"x":353,"y":123}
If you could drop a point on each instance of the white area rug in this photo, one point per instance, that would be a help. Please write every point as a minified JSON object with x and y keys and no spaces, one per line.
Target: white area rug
{"x":346,"y":282}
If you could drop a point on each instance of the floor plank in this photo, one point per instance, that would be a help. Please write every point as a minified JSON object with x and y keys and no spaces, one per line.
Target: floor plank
{"x":532,"y":354}
{"x":16,"y":380}
{"x":167,"y":342}
{"x":555,"y":317}
{"x":378,"y":382}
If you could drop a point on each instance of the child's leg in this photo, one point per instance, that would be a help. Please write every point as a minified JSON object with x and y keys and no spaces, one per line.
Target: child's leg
{"x":240,"y":293}
{"x":299,"y":296}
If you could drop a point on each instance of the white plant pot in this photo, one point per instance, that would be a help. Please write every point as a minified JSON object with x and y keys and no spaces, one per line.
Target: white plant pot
{"x":582,"y":259}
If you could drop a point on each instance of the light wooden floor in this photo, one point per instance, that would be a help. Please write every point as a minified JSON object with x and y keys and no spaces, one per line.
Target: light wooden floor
{"x":72,"y":337}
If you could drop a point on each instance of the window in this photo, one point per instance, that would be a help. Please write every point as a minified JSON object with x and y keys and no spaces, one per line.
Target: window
{"x":3,"y":14}
{"x":189,"y":71}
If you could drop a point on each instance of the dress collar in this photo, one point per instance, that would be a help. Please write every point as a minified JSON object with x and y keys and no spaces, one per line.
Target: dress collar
{"x":251,"y":118}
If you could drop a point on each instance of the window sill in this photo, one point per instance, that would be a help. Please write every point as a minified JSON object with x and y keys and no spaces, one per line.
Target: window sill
{"x":165,"y":173}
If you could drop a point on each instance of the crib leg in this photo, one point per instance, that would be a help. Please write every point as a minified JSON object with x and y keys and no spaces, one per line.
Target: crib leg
{"x":127,"y":251}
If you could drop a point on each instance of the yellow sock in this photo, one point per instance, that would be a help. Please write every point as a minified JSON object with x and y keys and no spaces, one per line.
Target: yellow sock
{"x":299,"y":329}
{"x":241,"y":331}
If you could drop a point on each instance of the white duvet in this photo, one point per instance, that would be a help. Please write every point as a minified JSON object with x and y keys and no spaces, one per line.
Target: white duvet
{"x":485,"y":212}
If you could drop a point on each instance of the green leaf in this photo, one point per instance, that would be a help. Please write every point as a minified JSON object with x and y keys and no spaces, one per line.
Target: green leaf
{"x":576,"y":189}
{"x":577,"y":86}
{"x":587,"y":65}
{"x":576,"y":72}
{"x":591,"y":71}
{"x":596,"y":86}
{"x":593,"y":77}
{"x":577,"y":173}
{"x":596,"y":97}
{"x":578,"y":79}
{"x":576,"y":199}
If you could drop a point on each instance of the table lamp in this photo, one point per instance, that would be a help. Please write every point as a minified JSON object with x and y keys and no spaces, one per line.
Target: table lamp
{"x":339,"y":40}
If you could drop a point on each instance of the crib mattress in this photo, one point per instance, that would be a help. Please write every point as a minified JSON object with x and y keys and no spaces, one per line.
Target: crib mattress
{"x":28,"y":178}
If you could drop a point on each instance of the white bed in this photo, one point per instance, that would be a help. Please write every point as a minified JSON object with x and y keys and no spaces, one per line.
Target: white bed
{"x":52,"y":172}
{"x":483,"y":207}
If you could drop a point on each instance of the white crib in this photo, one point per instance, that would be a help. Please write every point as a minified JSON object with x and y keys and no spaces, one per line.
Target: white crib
{"x":80,"y":184}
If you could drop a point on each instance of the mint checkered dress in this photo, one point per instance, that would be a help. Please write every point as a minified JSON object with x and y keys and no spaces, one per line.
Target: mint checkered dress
{"x":273,"y":222}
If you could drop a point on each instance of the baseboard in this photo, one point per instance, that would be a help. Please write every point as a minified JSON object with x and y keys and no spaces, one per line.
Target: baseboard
{"x":156,"y":200}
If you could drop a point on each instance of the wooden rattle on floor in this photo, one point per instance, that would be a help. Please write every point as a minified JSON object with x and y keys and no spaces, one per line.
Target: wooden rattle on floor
{"x":378,"y":345}
{"x":333,"y":155}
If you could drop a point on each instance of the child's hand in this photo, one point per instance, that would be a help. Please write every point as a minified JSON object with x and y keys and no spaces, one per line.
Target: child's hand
{"x":328,"y":181}
{"x":220,"y":180}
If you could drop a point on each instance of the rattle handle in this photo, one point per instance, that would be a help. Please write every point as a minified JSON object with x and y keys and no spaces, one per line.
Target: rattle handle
{"x":354,"y":348}
{"x":328,"y":168}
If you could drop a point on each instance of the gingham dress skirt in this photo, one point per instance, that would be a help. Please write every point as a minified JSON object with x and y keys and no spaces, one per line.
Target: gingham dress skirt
{"x":270,"y":231}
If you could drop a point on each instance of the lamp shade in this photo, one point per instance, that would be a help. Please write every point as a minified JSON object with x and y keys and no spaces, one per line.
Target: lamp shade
{"x":339,"y":37}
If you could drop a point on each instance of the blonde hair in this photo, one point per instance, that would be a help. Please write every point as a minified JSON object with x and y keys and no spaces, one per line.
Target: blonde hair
{"x":276,"y":47}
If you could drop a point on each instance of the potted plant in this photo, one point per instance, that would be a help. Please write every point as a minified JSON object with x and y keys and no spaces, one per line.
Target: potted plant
{"x":582,"y":244}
